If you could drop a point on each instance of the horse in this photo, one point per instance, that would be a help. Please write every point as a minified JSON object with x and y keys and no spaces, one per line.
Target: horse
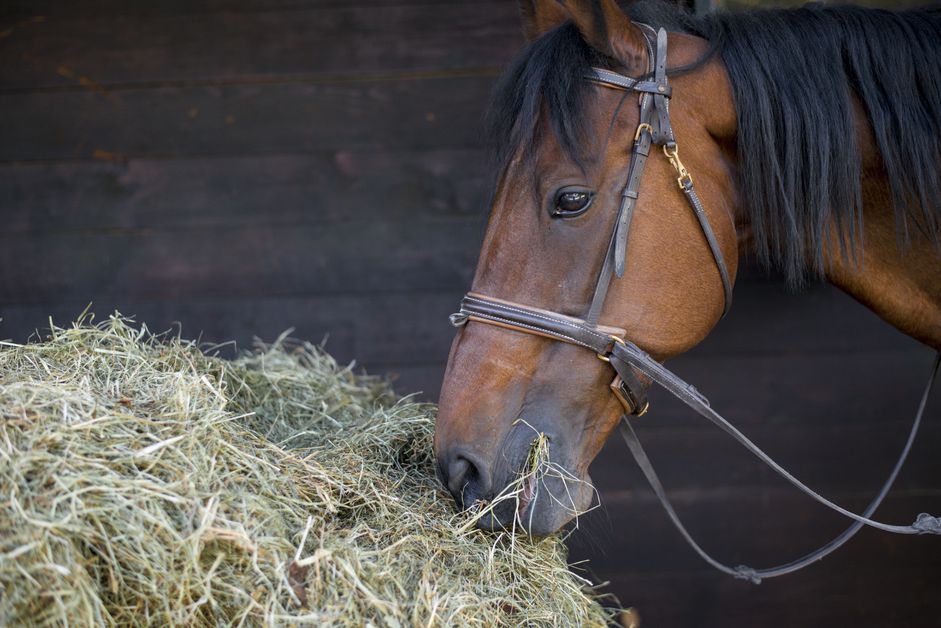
{"x":814,"y":139}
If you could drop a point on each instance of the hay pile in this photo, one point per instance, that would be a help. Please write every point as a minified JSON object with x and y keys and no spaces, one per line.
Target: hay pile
{"x":144,"y":483}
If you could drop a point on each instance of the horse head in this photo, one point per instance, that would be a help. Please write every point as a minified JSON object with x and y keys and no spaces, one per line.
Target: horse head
{"x":566,"y":149}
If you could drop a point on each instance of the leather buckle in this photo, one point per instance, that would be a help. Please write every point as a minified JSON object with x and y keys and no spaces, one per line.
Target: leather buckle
{"x":626,"y":397}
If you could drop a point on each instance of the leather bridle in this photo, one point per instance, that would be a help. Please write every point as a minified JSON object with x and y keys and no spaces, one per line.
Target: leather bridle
{"x":653,"y":128}
{"x":633,"y":368}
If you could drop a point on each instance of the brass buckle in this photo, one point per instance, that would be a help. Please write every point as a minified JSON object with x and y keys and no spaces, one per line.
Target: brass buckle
{"x":684,"y":179}
{"x":629,"y":407}
{"x":617,"y":385}
{"x":641,"y":127}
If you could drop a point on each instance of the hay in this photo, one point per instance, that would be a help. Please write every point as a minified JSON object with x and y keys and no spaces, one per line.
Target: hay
{"x":144,"y":483}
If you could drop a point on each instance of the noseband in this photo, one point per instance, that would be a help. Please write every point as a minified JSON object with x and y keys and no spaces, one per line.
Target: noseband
{"x":633,"y":368}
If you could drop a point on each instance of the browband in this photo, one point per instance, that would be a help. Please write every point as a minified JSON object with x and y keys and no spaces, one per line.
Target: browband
{"x":619,"y":81}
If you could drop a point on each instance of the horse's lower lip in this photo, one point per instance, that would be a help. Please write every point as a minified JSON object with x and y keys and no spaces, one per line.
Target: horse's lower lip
{"x":527,"y":494}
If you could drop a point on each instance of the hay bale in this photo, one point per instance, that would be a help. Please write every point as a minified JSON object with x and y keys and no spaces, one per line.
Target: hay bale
{"x":145,"y":483}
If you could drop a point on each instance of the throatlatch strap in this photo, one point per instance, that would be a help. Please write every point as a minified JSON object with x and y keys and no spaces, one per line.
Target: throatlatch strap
{"x":700,"y":212}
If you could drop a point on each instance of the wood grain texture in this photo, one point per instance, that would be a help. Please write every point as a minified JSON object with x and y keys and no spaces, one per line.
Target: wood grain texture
{"x":872,"y":581}
{"x":414,"y":328}
{"x":757,"y":528}
{"x":67,"y":8}
{"x":328,"y":187}
{"x":176,"y":122}
{"x":235,"y":261}
{"x":87,"y":50}
{"x":849,"y":457}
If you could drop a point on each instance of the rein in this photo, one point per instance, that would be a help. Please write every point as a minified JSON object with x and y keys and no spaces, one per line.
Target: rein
{"x":634,"y":369}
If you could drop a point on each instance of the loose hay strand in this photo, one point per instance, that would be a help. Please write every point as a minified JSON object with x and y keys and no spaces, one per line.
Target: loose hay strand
{"x":145,"y":483}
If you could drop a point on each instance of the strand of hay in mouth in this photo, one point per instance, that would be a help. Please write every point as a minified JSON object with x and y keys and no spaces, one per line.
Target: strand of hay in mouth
{"x":144,"y":483}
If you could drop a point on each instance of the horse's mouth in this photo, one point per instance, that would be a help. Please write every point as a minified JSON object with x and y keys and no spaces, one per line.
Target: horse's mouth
{"x":527,"y":493}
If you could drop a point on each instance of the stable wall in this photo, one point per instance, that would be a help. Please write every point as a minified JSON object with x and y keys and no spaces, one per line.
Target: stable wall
{"x":242,"y":167}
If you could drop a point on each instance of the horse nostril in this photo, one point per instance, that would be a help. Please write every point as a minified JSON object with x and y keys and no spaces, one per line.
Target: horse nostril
{"x":460,"y":471}
{"x":466,"y":478}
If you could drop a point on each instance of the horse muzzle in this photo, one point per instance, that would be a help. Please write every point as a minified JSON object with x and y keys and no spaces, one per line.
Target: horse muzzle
{"x":526,"y":488}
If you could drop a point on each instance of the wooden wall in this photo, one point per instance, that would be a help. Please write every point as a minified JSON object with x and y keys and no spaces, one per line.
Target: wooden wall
{"x":245,"y":166}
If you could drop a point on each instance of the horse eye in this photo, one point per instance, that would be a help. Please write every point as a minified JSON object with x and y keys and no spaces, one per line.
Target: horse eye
{"x":569,"y":203}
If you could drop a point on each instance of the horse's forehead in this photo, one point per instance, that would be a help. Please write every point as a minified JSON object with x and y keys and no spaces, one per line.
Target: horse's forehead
{"x":604,"y":148}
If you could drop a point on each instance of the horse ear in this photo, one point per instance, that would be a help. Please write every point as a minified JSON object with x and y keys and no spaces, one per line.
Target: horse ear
{"x":608,"y":30}
{"x":541,"y":16}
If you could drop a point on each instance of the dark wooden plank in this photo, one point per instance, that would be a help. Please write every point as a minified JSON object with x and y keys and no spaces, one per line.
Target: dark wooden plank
{"x":854,"y":456}
{"x":422,"y":380}
{"x":254,"y":262}
{"x":408,"y":345}
{"x":876,"y":579}
{"x":62,"y":9}
{"x":237,"y":261}
{"x":768,"y":317}
{"x":229,"y":47}
{"x":825,"y":388}
{"x":755,"y":528}
{"x":342,"y":186}
{"x":380,"y":331}
{"x":240,"y":120}
{"x":888,"y":597}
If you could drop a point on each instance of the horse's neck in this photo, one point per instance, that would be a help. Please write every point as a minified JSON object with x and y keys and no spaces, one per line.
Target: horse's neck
{"x":900,"y":283}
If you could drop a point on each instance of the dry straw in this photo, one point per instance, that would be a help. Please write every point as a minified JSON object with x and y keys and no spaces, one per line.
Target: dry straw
{"x":144,"y":483}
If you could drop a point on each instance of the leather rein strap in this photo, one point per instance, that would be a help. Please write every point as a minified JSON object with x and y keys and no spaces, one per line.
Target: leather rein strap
{"x":635,"y":369}
{"x":924,"y":523}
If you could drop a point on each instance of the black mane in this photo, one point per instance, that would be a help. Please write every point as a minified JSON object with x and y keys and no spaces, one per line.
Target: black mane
{"x":793,"y":75}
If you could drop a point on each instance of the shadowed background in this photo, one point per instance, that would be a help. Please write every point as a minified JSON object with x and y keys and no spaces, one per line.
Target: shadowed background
{"x":246,"y":166}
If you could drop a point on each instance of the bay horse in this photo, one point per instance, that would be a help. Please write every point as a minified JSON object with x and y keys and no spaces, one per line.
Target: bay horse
{"x":814,"y":138}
